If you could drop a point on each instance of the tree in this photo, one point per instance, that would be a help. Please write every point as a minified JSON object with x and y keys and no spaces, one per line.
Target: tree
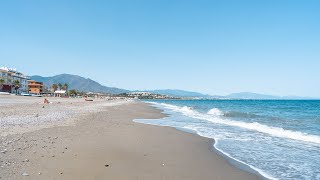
{"x":60,"y":86}
{"x":66,"y":86}
{"x":1,"y":84}
{"x":73,"y":92}
{"x":54,"y":87}
{"x":17,"y":85}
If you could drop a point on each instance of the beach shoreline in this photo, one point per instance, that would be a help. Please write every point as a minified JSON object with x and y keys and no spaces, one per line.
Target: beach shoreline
{"x":234,"y":162}
{"x":108,"y":144}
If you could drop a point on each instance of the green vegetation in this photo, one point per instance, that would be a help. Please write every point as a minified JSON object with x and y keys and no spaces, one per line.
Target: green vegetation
{"x":17,"y":85}
{"x":60,"y":86}
{"x":54,"y":87}
{"x":1,"y":83}
{"x":65,"y":87}
{"x":73,"y":92}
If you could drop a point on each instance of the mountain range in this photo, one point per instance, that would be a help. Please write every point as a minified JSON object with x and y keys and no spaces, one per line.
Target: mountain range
{"x":250,"y":95}
{"x":88,"y":85}
{"x":79,"y":83}
{"x":240,"y":95}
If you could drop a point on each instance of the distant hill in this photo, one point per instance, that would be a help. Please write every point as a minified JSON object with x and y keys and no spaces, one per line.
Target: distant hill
{"x":178,"y":93}
{"x":87,"y":85}
{"x":250,"y":95}
{"x":240,"y":95}
{"x":79,"y":83}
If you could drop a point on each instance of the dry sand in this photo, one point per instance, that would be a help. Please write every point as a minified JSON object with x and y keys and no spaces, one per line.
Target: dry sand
{"x":104,"y":143}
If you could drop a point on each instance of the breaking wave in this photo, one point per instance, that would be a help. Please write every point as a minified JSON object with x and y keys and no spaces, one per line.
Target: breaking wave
{"x":214,"y":116}
{"x":215,"y":112}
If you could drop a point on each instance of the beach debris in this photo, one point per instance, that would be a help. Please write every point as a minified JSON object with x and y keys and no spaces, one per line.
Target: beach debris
{"x":39,"y":173}
{"x":107,"y":165}
{"x":66,"y":147}
{"x":4,"y":151}
{"x":61,"y":172}
{"x":55,"y":138}
{"x":25,"y":174}
{"x":163,"y":164}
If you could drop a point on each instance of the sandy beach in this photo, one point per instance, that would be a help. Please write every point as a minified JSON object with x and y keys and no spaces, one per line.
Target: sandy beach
{"x":74,"y":139}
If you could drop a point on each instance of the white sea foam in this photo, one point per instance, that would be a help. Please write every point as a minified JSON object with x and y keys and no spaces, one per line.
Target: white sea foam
{"x":216,"y":140}
{"x":215,"y":112}
{"x":263,"y":173}
{"x":184,"y":110}
{"x":273,"y":131}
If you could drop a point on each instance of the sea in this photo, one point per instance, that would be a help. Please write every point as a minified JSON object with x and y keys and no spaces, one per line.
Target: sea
{"x":279,"y":139}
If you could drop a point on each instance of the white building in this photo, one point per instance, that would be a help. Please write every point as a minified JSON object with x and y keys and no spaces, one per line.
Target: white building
{"x":140,"y":93}
{"x":60,"y":93}
{"x":10,"y":75}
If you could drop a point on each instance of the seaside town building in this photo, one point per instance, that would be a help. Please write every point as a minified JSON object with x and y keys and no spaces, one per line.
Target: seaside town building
{"x":9,"y":76}
{"x":146,"y":95}
{"x":60,"y":93}
{"x":35,"y":87}
{"x":140,"y":93}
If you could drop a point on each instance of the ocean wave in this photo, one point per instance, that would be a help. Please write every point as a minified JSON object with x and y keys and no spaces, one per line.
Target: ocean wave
{"x":218,"y":112}
{"x":254,"y":126}
{"x":215,"y":112}
{"x":184,"y":109}
{"x":240,"y":114}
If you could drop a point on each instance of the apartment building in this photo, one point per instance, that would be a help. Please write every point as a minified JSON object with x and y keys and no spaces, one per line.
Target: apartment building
{"x":35,"y":87}
{"x":9,"y":76}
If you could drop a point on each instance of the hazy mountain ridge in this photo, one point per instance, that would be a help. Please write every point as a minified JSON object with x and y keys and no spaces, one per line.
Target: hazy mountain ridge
{"x":88,"y":85}
{"x":79,"y":83}
{"x":240,"y":95}
{"x":250,"y":95}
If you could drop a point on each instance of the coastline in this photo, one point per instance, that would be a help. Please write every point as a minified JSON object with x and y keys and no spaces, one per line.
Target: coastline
{"x":234,"y":162}
{"x":109,"y":144}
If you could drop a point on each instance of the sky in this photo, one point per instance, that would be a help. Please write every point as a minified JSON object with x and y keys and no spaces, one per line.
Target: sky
{"x":215,"y":47}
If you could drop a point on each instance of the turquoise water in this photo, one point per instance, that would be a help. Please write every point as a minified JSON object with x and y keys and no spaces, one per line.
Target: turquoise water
{"x":278,"y":138}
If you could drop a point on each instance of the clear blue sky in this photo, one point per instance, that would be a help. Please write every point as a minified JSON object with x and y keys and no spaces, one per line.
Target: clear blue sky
{"x":215,"y":47}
